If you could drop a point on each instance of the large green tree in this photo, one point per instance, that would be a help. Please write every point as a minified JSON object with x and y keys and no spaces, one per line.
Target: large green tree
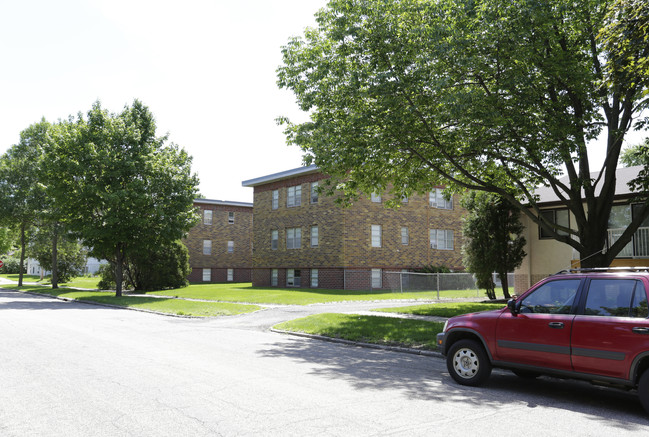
{"x":493,"y":240}
{"x":118,"y":185}
{"x":484,"y":95}
{"x":22,"y":195}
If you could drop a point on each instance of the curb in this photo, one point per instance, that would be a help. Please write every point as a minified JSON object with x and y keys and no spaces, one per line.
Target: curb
{"x":360,"y":344}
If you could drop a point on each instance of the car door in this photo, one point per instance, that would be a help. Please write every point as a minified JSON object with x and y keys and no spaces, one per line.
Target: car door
{"x":612,"y":327}
{"x":539,"y":334}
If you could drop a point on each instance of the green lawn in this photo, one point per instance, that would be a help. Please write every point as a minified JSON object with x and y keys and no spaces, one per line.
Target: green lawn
{"x":369,"y":329}
{"x":163,"y":305}
{"x":245,"y":292}
{"x":443,"y":309}
{"x":80,"y":281}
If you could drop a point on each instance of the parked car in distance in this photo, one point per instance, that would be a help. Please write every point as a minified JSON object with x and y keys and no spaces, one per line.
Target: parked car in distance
{"x":589,"y":324}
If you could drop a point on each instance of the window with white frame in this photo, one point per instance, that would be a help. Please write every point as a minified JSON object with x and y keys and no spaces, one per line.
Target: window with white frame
{"x":437,"y":199}
{"x":294,"y":196}
{"x":405,"y":238}
{"x":441,"y":239}
{"x":314,"y":192}
{"x":230,"y":246}
{"x":275,"y":201}
{"x":231,"y":217}
{"x":377,"y":278}
{"x":315,"y":238}
{"x":293,"y":238}
{"x":293,"y":277}
{"x":207,"y":247}
{"x":207,"y":217}
{"x":273,"y":277}
{"x":376,"y":197}
{"x":274,"y":238}
{"x":207,"y":275}
{"x":230,"y":275}
{"x":376,"y":235}
{"x":314,"y":278}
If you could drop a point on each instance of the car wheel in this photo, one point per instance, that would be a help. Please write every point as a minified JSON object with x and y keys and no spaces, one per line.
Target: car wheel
{"x":643,"y":390}
{"x":467,"y":362}
{"x":526,"y":374}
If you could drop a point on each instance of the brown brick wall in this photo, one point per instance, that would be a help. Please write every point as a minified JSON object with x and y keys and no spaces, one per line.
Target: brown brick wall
{"x":345,"y":235}
{"x":220,"y":232}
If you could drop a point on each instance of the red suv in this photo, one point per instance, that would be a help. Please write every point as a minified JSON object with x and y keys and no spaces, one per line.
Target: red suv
{"x":584,"y":324}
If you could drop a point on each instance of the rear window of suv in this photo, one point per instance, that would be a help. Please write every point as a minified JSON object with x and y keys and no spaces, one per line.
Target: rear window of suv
{"x":616,"y":298}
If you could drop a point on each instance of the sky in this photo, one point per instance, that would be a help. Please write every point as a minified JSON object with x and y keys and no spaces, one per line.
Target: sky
{"x":205,"y":68}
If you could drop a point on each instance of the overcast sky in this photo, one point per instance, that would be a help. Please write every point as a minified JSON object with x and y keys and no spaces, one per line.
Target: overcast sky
{"x":205,"y":68}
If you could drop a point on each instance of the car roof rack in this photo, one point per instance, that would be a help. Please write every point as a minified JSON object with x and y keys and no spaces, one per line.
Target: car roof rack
{"x":605,"y":269}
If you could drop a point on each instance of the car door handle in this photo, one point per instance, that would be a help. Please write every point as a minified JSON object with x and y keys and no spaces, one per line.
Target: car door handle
{"x":556,"y":325}
{"x":639,"y":330}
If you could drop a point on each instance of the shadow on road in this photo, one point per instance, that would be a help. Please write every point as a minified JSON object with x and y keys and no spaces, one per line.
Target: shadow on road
{"x":426,"y":378}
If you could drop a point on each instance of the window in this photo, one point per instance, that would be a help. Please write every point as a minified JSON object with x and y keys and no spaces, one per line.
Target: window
{"x":207,"y":247}
{"x":314,"y":192}
{"x":273,"y":277}
{"x":616,"y":298}
{"x":314,"y":278}
{"x":293,"y":278}
{"x":405,"y":238}
{"x":376,"y":278}
{"x":274,"y":237}
{"x":230,"y":275}
{"x":441,"y":239}
{"x":559,"y":216}
{"x":555,"y":297}
{"x":293,"y":238}
{"x":294,"y":196}
{"x":207,"y":275}
{"x":230,"y":246}
{"x":314,"y":236}
{"x":207,"y":217}
{"x":231,"y":218}
{"x":437,"y":200}
{"x":376,"y":198}
{"x":376,"y":235}
{"x":275,"y":201}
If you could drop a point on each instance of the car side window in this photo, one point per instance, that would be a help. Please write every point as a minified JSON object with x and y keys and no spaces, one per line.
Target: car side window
{"x":616,"y":298}
{"x":555,"y":297}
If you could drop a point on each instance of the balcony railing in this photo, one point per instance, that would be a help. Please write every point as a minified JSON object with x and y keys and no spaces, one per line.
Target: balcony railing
{"x":638,"y":247}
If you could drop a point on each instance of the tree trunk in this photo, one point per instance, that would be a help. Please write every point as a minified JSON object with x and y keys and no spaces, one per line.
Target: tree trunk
{"x":22,"y":254}
{"x":119,"y":271}
{"x":504,"y":280}
{"x":55,"y":264}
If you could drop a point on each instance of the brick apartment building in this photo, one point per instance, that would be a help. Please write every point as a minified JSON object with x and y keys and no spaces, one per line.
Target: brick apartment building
{"x":220,"y":246}
{"x":303,"y":239}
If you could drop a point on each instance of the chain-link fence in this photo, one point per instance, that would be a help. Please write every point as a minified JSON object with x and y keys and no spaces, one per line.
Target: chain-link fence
{"x":447,"y":285}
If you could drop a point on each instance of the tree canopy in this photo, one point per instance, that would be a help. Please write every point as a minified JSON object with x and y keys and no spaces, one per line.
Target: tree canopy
{"x":484,"y":95}
{"x":120,"y":187}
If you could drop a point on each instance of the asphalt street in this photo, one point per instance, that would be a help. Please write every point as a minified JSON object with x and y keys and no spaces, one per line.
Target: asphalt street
{"x":73,"y":369}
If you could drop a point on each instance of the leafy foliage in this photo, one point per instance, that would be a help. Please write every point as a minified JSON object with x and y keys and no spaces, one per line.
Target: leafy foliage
{"x":71,"y":256}
{"x":120,"y":187}
{"x":493,"y":239}
{"x":636,"y":155}
{"x":485,"y":95}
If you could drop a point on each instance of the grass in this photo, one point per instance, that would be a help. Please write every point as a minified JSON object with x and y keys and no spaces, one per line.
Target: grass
{"x":89,"y":282}
{"x":390,"y":331}
{"x":163,"y":305}
{"x":443,"y":309}
{"x":245,"y":292}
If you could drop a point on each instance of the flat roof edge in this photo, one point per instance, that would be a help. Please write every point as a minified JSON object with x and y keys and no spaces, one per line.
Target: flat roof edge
{"x":280,"y":176}
{"x":223,"y":202}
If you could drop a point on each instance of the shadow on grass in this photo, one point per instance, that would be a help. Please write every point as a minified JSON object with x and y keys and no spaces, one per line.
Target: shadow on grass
{"x":426,"y":379}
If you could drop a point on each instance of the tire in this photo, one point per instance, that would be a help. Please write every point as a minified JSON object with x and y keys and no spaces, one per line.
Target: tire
{"x":468,"y":363}
{"x":526,"y":374}
{"x":643,"y":390}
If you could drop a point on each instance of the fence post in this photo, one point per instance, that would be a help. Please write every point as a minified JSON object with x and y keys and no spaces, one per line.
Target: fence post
{"x":401,"y":282}
{"x":437,"y":286}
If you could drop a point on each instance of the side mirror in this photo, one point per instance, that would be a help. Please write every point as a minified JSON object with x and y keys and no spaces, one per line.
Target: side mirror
{"x":513,"y":308}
